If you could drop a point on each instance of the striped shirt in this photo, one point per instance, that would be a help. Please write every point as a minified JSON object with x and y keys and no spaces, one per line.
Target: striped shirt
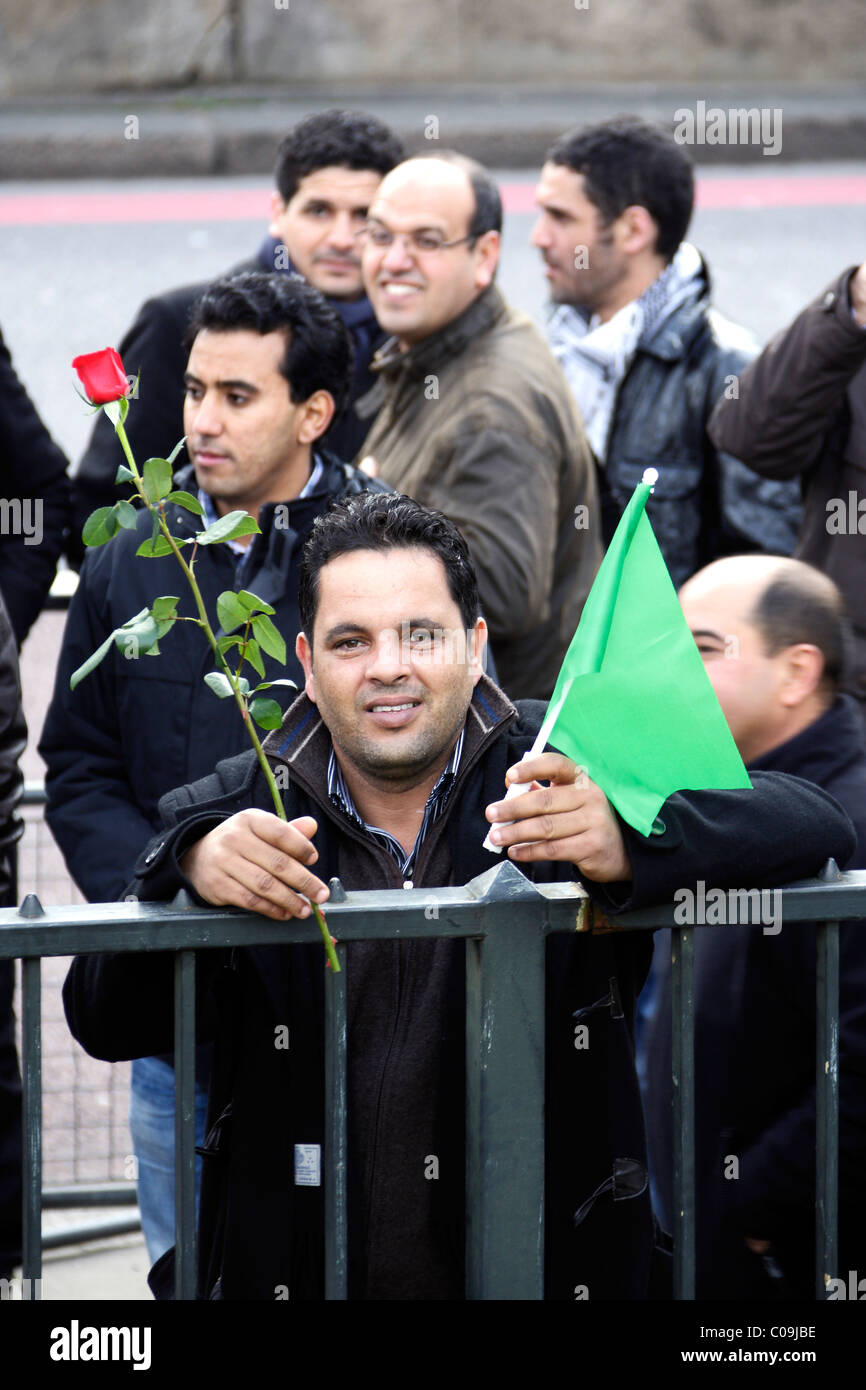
{"x":341,"y":797}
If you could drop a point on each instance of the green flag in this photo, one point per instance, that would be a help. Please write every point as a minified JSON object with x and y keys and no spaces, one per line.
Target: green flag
{"x":633,"y":703}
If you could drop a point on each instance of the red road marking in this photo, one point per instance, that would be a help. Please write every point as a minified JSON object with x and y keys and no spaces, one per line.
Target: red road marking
{"x":251,"y":204}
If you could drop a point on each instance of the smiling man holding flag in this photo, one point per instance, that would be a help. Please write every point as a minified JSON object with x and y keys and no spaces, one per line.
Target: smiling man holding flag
{"x":394,"y":761}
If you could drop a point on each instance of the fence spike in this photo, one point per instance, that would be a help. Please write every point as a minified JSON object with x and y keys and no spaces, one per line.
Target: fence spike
{"x":338,"y":892}
{"x":31,"y":907}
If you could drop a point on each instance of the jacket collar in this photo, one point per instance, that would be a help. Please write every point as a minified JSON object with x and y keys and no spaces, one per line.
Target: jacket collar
{"x":676,"y":333}
{"x":452,"y":340}
{"x":824,"y":749}
{"x":331,"y":483}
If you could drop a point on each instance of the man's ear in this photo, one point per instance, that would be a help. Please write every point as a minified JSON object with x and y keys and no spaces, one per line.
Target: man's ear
{"x":486,"y":258}
{"x":317,"y":412}
{"x":804,"y":668}
{"x":304,"y":653}
{"x":637,"y":230}
{"x":477,"y":646}
{"x":278,"y":207}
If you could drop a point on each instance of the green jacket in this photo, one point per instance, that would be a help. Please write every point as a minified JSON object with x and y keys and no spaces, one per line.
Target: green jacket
{"x":478,"y":421}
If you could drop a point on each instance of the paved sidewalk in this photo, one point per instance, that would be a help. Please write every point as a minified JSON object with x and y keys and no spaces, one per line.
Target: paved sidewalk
{"x":215,"y":130}
{"x":99,"y":1271}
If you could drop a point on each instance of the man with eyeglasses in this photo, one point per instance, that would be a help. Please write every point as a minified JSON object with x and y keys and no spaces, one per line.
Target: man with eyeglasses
{"x":475,"y":417}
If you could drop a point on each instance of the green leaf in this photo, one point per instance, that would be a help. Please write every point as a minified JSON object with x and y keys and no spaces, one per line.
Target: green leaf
{"x":124,"y":474}
{"x":91,"y":663}
{"x":266,"y":713}
{"x":228,"y":528}
{"x":163,"y":608}
{"x":176,"y":450}
{"x":219,"y":684}
{"x":126,"y":515}
{"x":227,"y":644}
{"x":230,"y":613}
{"x":117,"y":411}
{"x":135,"y":637}
{"x":100,"y":526}
{"x":186,"y":499}
{"x":154,"y":650}
{"x":252,"y":603}
{"x":254,"y":657}
{"x":155,"y":546}
{"x":266,"y":685}
{"x":157,"y":479}
{"x":269,"y":637}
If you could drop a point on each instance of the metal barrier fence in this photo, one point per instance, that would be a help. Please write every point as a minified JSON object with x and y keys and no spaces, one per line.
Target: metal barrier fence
{"x":88,"y":1161}
{"x":505,"y":921}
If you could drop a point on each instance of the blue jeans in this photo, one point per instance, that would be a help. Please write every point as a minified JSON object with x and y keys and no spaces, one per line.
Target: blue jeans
{"x":151,"y":1123}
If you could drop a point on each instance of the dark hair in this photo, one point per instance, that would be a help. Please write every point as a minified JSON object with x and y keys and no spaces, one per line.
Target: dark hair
{"x":385,"y":521}
{"x":803,"y":605}
{"x":487,"y":216}
{"x":319,"y":353}
{"x":627,"y":162}
{"x":349,"y":139}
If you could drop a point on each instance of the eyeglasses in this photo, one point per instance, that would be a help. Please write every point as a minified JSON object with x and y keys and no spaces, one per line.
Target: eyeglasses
{"x":421,"y":242}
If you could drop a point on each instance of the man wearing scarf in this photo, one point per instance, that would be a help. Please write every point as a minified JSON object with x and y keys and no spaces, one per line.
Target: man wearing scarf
{"x":644,"y":353}
{"x":328,"y":169}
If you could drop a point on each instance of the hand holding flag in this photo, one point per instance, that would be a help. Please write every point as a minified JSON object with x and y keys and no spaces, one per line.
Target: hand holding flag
{"x":633,"y":704}
{"x":569,"y":820}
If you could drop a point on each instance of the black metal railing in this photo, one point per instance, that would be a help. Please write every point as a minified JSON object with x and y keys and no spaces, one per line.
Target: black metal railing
{"x":505,"y":921}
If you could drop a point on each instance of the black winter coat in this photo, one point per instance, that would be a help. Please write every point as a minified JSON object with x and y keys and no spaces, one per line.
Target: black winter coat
{"x":755,"y":1065}
{"x":32,"y":476}
{"x":155,"y":347}
{"x":706,"y":503}
{"x":258,"y":1230}
{"x":133,"y":729}
{"x":801,"y":413}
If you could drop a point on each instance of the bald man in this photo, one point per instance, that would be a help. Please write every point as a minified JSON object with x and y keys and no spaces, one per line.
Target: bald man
{"x":772,"y":635}
{"x":475,"y":417}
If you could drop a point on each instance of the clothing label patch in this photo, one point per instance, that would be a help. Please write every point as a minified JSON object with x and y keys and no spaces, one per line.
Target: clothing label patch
{"x":308,"y":1165}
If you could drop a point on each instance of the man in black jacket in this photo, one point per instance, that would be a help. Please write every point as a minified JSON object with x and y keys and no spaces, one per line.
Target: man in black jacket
{"x":268,"y":368}
{"x":772,"y":637}
{"x":328,"y":169}
{"x":394,"y":764}
{"x":643,"y":351}
{"x":801,"y":413}
{"x":35,"y":502}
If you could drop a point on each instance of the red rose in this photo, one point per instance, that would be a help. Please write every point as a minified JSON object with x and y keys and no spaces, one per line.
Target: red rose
{"x":102,"y":375}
